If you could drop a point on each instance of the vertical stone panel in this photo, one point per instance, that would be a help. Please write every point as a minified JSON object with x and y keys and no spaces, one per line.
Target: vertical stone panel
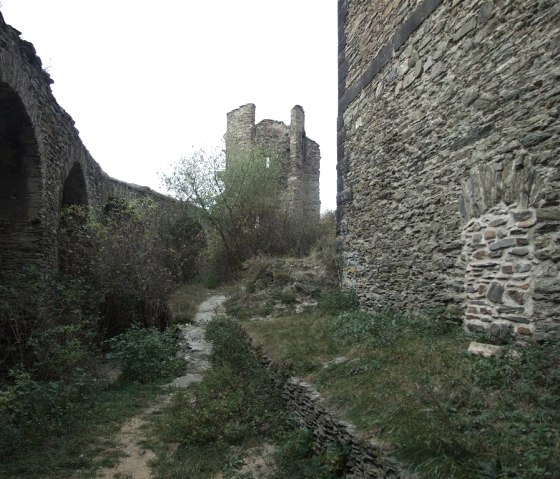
{"x":240,"y":133}
{"x":499,"y":254}
{"x":274,"y":138}
{"x":296,"y":181}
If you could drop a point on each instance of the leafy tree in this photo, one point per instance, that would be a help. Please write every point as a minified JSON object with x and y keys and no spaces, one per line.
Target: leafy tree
{"x":240,"y":204}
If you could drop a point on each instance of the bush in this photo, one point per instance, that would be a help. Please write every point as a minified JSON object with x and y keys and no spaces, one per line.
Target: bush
{"x":235,"y":402}
{"x":239,"y":203}
{"x":30,"y":409}
{"x":236,"y":405}
{"x":131,"y":258}
{"x":295,"y":458}
{"x":147,"y":354}
{"x":338,"y":301}
{"x":46,"y":324}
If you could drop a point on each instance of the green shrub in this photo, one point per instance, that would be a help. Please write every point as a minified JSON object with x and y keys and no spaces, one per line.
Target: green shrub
{"x":30,"y":409}
{"x":295,"y":458}
{"x":47,"y":324}
{"x":338,"y":301}
{"x":210,"y":279}
{"x":235,"y":406}
{"x":235,"y":403}
{"x":147,"y":354}
{"x":231,"y":348}
{"x":129,"y":258}
{"x":287,"y":297}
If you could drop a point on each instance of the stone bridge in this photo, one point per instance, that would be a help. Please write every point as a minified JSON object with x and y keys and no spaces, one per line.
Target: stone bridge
{"x":43,"y":164}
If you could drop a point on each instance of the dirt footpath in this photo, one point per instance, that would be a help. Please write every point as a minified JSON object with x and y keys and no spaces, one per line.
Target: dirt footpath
{"x":135,"y":463}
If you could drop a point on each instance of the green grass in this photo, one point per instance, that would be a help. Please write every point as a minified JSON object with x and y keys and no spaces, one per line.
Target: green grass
{"x":82,"y":441}
{"x":408,"y":380}
{"x":209,"y":428}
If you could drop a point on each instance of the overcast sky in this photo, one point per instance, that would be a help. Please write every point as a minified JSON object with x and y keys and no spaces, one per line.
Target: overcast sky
{"x":145,"y":81}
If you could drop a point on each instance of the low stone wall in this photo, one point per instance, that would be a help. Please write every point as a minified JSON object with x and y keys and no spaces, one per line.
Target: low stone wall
{"x":367,"y":458}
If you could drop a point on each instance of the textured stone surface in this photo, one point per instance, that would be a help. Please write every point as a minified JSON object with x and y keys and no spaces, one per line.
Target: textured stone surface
{"x":485,"y":350}
{"x":368,"y":458}
{"x":443,"y":166}
{"x":297,"y":156}
{"x":43,"y":163}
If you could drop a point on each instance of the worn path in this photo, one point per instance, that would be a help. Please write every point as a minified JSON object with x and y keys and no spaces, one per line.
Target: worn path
{"x":196,"y":351}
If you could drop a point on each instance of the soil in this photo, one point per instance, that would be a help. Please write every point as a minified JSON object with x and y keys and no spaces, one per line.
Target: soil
{"x":135,"y":460}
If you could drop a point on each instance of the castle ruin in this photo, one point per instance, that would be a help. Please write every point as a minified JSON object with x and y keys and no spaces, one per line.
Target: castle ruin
{"x":298,"y":157}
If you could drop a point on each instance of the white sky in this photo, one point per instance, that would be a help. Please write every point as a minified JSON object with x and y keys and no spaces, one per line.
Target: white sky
{"x":145,"y":81}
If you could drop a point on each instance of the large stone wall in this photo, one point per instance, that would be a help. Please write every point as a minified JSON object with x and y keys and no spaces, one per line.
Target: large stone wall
{"x":43,"y":163}
{"x":448,"y":158}
{"x":297,"y":156}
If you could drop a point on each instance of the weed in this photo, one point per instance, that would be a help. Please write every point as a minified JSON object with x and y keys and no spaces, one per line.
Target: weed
{"x":338,"y":301}
{"x":147,"y":355}
{"x":286,"y":297}
{"x":54,"y":430}
{"x":295,"y":458}
{"x":234,"y":407}
{"x":185,"y":300}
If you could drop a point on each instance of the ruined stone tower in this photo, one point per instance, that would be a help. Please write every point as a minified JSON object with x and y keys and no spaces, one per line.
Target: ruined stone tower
{"x":298,"y":157}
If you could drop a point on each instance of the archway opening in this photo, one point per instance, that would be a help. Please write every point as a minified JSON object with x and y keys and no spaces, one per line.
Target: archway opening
{"x":20,"y":184}
{"x":74,"y":192}
{"x":21,"y":228}
{"x":73,"y":236}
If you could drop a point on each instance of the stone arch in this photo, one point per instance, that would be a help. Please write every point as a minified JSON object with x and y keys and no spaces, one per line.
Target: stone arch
{"x":515,"y":184}
{"x":20,"y":183}
{"x":70,"y":232}
{"x":74,"y":190}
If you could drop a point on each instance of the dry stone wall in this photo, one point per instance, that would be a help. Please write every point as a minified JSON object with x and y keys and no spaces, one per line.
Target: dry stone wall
{"x":43,"y":162}
{"x":500,"y":259}
{"x":298,"y":158}
{"x":366,"y":458}
{"x":448,"y":158}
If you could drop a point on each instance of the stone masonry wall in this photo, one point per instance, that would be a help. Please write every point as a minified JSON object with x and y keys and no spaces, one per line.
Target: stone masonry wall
{"x":373,"y":24}
{"x":500,"y":257}
{"x":367,"y":457}
{"x":448,"y":158}
{"x":41,"y":157}
{"x":298,"y":157}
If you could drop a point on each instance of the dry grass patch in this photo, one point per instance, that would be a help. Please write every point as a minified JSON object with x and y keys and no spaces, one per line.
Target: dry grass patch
{"x":184,"y":301}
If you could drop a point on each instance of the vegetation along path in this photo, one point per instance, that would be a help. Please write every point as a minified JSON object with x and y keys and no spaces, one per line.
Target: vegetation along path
{"x":196,"y":351}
